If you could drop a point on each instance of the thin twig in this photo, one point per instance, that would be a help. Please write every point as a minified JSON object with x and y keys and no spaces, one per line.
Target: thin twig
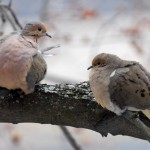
{"x":8,"y":17}
{"x":70,"y":138}
{"x":45,"y":51}
{"x":48,"y":48}
{"x":10,"y":4}
{"x":15,"y":17}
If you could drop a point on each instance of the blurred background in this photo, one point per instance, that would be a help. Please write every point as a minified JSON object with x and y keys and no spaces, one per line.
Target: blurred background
{"x":82,"y":28}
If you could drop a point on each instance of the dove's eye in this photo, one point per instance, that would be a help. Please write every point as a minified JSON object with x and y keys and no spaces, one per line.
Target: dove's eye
{"x":39,"y":29}
{"x":100,"y":63}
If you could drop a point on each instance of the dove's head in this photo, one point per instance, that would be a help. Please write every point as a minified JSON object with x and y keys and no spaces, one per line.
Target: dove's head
{"x":103,"y":59}
{"x":35,"y":29}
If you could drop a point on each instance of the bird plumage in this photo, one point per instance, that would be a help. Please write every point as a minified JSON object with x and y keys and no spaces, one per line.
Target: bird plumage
{"x":119,"y":85}
{"x":21,"y":65}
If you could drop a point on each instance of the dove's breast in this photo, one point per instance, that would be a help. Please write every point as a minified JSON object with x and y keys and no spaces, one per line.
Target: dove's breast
{"x":15,"y":61}
{"x":99,"y":83}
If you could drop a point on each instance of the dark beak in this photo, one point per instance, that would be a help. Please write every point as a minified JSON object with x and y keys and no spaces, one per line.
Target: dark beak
{"x":89,"y":67}
{"x":48,"y":35}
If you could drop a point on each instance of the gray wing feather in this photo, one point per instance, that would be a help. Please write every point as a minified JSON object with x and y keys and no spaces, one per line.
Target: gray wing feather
{"x":130,"y":87}
{"x":37,"y":70}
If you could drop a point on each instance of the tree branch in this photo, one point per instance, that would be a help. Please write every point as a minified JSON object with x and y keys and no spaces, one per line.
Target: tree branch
{"x":69,"y":105}
{"x":9,"y":15}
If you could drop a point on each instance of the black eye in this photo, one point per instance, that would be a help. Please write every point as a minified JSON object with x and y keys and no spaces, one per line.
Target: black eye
{"x":98,"y":63}
{"x":39,"y":29}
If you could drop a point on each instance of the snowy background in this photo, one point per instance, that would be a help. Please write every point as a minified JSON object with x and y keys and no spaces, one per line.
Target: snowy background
{"x":83,"y":28}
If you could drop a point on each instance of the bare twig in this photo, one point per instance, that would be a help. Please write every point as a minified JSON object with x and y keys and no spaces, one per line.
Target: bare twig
{"x":45,"y":50}
{"x":10,"y":4}
{"x":70,"y":138}
{"x":8,"y":17}
{"x":15,"y":17}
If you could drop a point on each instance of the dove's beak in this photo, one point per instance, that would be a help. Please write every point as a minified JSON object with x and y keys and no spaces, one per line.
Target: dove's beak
{"x":89,"y":67}
{"x":46,"y":34}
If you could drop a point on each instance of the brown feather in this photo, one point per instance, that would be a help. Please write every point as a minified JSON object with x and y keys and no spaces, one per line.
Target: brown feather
{"x":131,"y":88}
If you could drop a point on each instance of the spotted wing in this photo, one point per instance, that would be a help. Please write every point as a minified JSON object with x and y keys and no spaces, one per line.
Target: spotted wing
{"x":130,"y":87}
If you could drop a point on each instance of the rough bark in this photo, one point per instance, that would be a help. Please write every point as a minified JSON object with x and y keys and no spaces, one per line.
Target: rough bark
{"x":69,"y":105}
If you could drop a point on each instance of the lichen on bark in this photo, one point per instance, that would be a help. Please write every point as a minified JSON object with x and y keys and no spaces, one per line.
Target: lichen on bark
{"x":68,"y":105}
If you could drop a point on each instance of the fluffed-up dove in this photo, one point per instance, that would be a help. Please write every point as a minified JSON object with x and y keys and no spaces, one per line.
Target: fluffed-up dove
{"x":21,"y":65}
{"x":119,"y":85}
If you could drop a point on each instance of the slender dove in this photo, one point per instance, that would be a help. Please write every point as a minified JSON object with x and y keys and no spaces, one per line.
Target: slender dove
{"x":21,"y":65}
{"x":119,"y":85}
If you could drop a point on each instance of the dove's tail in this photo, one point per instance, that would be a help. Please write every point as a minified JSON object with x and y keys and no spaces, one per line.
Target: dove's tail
{"x":146,"y":113}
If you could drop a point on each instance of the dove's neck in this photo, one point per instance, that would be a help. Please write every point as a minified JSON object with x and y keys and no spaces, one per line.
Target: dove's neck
{"x":31,"y":40}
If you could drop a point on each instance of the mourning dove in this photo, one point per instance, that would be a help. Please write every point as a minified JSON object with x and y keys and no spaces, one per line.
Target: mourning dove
{"x":119,"y":85}
{"x":21,"y":65}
